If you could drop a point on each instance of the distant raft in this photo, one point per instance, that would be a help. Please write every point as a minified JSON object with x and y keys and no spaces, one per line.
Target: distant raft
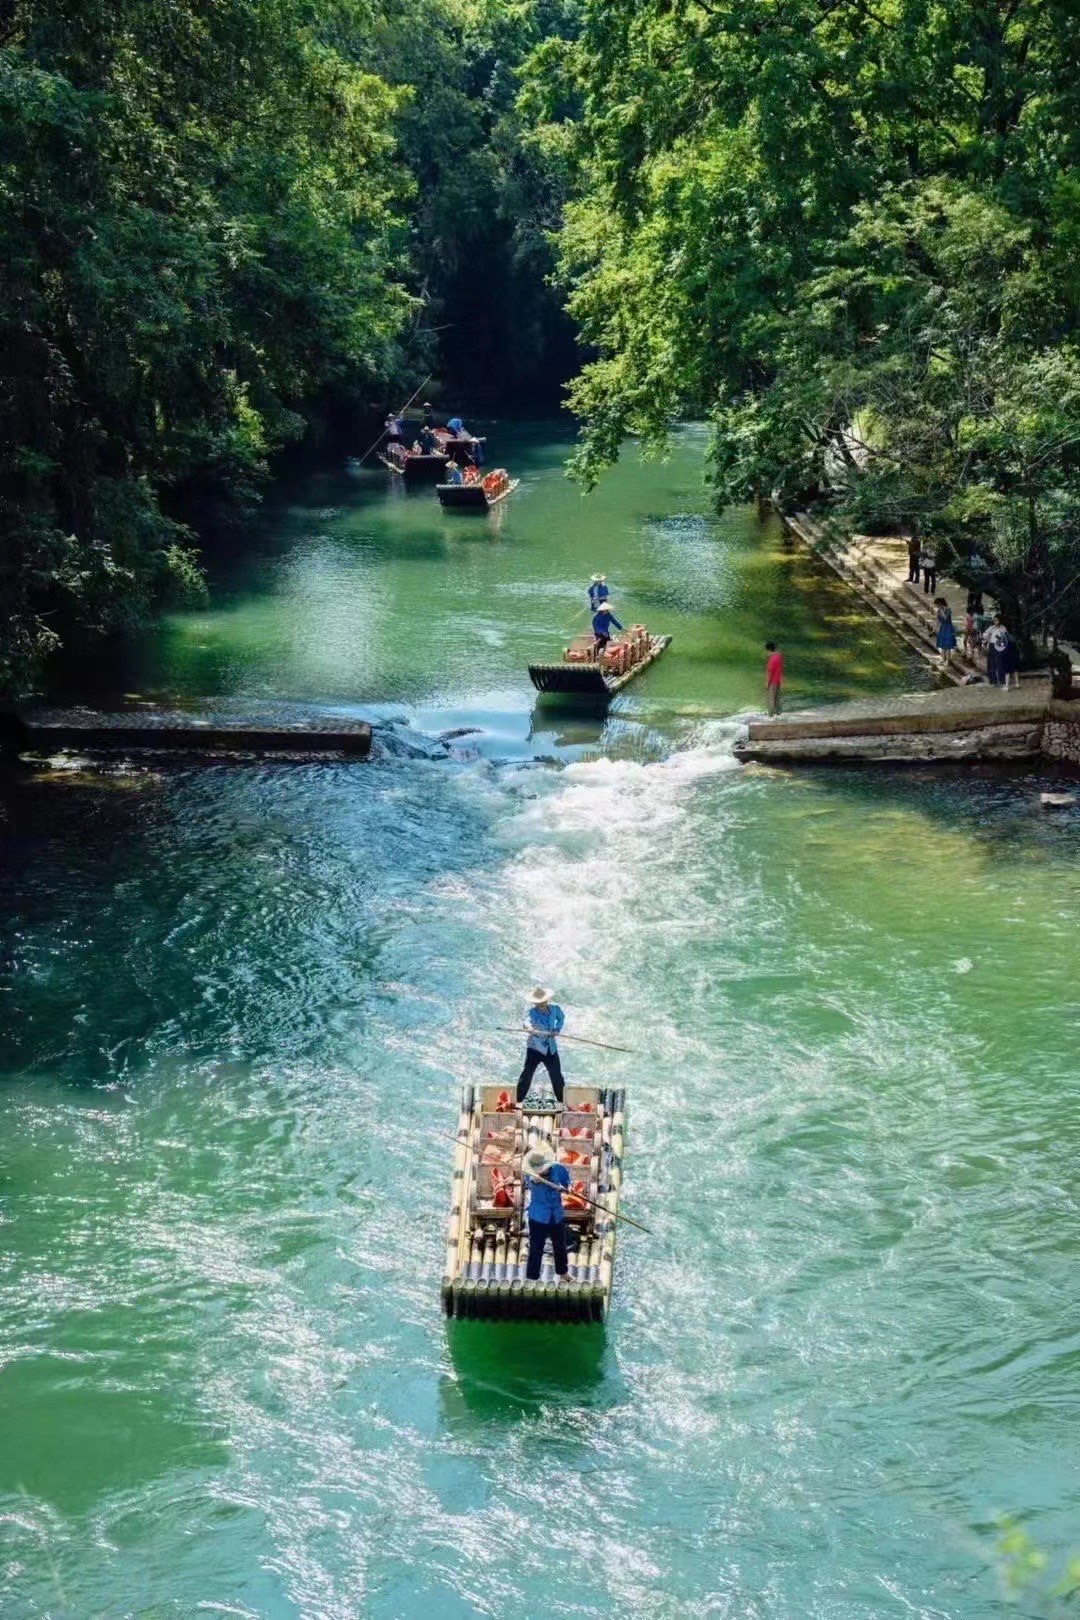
{"x":583,"y":674}
{"x":487,"y":1241}
{"x":478,"y":494}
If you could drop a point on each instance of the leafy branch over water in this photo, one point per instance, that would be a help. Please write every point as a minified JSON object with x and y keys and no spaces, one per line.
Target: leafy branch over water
{"x":848,"y":234}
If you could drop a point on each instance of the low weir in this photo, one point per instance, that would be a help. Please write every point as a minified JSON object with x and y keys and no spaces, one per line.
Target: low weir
{"x":161,"y":731}
{"x":969,"y":723}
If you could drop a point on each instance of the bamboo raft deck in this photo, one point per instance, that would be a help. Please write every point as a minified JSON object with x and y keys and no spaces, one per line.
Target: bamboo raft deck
{"x":487,"y":1246}
{"x":589,"y":679}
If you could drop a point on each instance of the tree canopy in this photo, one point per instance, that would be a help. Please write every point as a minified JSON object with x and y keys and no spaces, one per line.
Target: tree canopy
{"x":847,"y":233}
{"x":212,"y":217}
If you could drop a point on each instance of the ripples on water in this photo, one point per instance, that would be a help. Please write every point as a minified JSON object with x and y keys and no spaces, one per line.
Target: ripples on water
{"x":242,"y":1003}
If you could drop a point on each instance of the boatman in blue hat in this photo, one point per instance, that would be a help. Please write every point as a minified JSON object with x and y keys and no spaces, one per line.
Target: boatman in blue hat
{"x":543,"y":1021}
{"x":547,"y":1218}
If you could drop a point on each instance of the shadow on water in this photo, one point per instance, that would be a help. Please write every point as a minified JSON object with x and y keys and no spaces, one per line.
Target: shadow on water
{"x":994,"y":805}
{"x":503,"y":1371}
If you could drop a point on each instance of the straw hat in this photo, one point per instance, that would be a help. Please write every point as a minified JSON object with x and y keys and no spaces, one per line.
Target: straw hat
{"x":538,"y":1161}
{"x":539,"y":996}
{"x":599,"y":579}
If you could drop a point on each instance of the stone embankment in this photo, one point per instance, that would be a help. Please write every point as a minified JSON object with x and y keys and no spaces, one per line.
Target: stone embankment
{"x":960,"y":724}
{"x":160,"y":731}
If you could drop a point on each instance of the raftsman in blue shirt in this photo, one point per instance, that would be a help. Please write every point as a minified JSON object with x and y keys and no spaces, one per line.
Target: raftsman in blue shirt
{"x":597,"y":593}
{"x":603,"y":619}
{"x":545,"y":1204}
{"x":547,"y":1026}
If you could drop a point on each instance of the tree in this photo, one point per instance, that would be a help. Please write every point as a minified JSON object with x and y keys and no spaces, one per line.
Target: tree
{"x":200,"y":226}
{"x":847,"y":233}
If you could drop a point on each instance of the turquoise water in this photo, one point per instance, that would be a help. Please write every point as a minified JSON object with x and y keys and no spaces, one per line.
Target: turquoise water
{"x":239,"y":1002}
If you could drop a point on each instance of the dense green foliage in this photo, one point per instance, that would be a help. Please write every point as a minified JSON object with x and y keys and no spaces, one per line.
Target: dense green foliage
{"x":848,"y":233}
{"x":213,"y":217}
{"x":487,"y":199}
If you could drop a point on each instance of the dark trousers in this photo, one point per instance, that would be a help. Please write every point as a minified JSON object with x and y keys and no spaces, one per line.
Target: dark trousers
{"x":913,"y":569}
{"x":929,"y":580}
{"x":551,"y":1063}
{"x":599,"y":643}
{"x":539,"y":1232}
{"x":994,"y":672}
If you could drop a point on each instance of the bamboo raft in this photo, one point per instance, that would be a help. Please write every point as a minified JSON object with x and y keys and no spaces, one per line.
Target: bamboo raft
{"x":473,"y":497}
{"x":589,"y":678}
{"x":487,"y":1246}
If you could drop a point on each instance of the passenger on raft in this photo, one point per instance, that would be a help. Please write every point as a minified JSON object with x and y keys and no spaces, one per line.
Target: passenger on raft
{"x":598,"y":591}
{"x":543,"y":1022}
{"x":602,"y":621}
{"x":427,"y":441}
{"x":454,"y":474}
{"x":457,"y":427}
{"x":429,"y":414}
{"x":547,"y":1218}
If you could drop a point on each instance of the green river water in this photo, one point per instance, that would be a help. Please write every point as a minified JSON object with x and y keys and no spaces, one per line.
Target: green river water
{"x":238,"y":1001}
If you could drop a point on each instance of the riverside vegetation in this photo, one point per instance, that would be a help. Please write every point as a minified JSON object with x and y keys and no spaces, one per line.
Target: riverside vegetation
{"x":846,"y":234}
{"x":849,"y":234}
{"x":220,"y":225}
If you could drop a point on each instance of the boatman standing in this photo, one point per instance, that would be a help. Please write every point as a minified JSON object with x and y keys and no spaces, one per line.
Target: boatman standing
{"x":543,"y":1021}
{"x":598,"y":591}
{"x":602,"y":621}
{"x":547,"y":1218}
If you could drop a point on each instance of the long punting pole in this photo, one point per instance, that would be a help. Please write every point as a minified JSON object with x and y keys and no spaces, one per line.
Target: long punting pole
{"x":405,"y":407}
{"x":612,"y":1214}
{"x":563,"y":1036}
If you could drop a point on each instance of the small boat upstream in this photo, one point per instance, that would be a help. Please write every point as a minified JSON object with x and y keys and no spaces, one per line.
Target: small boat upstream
{"x":488,"y":1239}
{"x":583,"y":673}
{"x":478,"y":494}
{"x":419,"y":466}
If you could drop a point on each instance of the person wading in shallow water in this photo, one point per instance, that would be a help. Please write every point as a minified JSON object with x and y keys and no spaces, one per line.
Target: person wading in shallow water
{"x":543,"y":1022}
{"x":774,"y":676}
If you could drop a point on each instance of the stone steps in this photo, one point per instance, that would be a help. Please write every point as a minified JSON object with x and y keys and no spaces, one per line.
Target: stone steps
{"x":915,"y":613}
{"x":909,"y":619}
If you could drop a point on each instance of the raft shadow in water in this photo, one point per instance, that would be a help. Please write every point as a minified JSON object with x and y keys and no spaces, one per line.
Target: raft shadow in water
{"x":507,"y":1370}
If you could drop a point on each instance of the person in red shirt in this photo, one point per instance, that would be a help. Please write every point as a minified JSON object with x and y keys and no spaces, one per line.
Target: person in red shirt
{"x":774,"y":676}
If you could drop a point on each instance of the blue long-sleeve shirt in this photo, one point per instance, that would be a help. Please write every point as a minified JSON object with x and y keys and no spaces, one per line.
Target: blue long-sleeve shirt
{"x":597,"y":594}
{"x":545,"y":1204}
{"x":547,"y":1025}
{"x":603,"y":620}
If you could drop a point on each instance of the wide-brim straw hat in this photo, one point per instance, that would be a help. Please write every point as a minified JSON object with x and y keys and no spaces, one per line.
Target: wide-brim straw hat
{"x":599,"y":579}
{"x":539,"y":996}
{"x":538,"y":1161}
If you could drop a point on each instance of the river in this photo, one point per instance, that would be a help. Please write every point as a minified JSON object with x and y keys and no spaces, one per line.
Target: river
{"x":239,"y":1000}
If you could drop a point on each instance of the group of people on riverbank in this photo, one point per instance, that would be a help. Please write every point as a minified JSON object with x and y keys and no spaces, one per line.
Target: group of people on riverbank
{"x":985,"y":633}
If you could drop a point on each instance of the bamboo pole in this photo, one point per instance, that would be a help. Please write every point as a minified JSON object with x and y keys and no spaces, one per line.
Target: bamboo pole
{"x":581,"y":1040}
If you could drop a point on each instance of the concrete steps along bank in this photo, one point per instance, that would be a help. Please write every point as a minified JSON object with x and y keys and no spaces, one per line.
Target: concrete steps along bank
{"x":907,"y":612}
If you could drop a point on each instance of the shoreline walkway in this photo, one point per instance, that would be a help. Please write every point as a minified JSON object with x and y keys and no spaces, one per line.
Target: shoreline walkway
{"x":876,"y":568}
